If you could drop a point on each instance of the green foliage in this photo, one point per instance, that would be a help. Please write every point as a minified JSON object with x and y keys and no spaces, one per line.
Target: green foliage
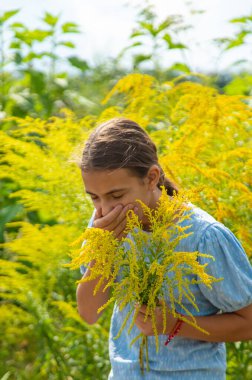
{"x":35,"y":90}
{"x":154,"y":37}
{"x":203,"y":138}
{"x":245,"y":24}
{"x":241,"y":38}
{"x":239,"y":356}
{"x":40,"y":321}
{"x":240,"y":84}
{"x":7,"y":15}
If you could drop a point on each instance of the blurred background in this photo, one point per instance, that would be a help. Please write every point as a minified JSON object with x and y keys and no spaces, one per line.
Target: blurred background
{"x":183,"y":70}
{"x":103,"y":40}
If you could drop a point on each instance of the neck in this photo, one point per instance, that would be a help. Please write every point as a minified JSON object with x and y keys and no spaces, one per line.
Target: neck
{"x":153,"y":206}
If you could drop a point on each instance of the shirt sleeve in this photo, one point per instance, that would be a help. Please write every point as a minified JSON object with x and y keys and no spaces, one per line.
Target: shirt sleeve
{"x":231,"y":263}
{"x":90,"y":224}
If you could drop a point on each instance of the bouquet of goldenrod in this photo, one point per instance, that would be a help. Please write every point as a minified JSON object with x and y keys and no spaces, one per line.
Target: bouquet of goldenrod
{"x":144,"y":266}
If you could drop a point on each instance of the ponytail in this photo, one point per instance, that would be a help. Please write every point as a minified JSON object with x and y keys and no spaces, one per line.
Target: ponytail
{"x":170,"y":186}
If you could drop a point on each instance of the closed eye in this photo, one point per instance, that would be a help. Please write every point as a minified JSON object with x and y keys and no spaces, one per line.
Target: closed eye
{"x":116,"y":196}
{"x":112,"y":195}
{"x":93,"y":197}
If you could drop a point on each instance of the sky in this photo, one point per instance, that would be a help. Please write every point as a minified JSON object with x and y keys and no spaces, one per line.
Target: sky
{"x":107,"y":24}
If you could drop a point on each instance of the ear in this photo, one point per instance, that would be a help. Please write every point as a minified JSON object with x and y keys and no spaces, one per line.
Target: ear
{"x":153,"y":176}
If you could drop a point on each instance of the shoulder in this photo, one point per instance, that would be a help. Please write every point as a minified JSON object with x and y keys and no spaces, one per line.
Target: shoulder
{"x":229,"y":263}
{"x":200,"y":218}
{"x":210,"y":235}
{"x":217,"y":240}
{"x":198,"y":222}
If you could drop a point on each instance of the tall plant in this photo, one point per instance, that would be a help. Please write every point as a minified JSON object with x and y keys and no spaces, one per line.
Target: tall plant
{"x":203,"y":138}
{"x":152,"y":39}
{"x":32,"y":80}
{"x":5,"y":77}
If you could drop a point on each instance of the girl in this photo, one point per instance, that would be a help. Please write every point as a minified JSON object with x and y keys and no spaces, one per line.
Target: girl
{"x":119,"y":165}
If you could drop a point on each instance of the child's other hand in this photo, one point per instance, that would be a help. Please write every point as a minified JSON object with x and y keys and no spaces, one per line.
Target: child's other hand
{"x":114,"y":221}
{"x":145,"y":326}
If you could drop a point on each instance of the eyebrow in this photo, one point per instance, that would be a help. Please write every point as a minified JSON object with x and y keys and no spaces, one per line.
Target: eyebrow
{"x":110,"y":192}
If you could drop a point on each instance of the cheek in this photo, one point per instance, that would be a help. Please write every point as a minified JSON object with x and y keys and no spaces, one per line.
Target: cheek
{"x":131,"y":199}
{"x":140,"y":213}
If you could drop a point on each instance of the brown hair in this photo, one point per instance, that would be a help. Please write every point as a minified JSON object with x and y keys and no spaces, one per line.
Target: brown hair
{"x":122,"y":143}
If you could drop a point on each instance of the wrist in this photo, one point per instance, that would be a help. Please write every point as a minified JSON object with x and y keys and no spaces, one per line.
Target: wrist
{"x":174,"y":331}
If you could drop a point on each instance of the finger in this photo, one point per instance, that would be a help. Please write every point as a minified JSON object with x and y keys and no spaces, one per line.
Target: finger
{"x":119,"y":223}
{"x":143,"y":315}
{"x":119,"y":230}
{"x":140,"y":318}
{"x":120,"y":235}
{"x":121,"y":219}
{"x":106,"y":220}
{"x":142,"y":309}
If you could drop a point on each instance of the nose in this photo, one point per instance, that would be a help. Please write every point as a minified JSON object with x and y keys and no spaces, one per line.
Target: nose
{"x":107,"y":206}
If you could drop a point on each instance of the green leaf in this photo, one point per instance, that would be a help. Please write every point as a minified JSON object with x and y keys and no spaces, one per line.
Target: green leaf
{"x":221,"y":41}
{"x":240,"y":85}
{"x":167,"y":38}
{"x":240,"y":62}
{"x":141,"y":58}
{"x":17,"y":25}
{"x":7,"y":214}
{"x":38,"y":81}
{"x":39,"y":35}
{"x":135,"y":44}
{"x":180,"y":67}
{"x":30,"y":36}
{"x":18,"y":58}
{"x":32,"y":55}
{"x":49,"y":19}
{"x":15,"y":45}
{"x":62,"y":75}
{"x":197,"y":11}
{"x":166,"y":24}
{"x":70,"y":27}
{"x":50,"y":55}
{"x":178,"y":46}
{"x":78,"y":63}
{"x":68,"y":44}
{"x":6,"y":376}
{"x":242,"y":20}
{"x":148,"y":14}
{"x":7,"y":15}
{"x":238,"y":41}
{"x":136,"y":33}
{"x":149,"y":27}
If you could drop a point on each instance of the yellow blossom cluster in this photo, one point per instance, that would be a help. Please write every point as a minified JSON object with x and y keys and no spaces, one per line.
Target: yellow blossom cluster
{"x":144,"y":267}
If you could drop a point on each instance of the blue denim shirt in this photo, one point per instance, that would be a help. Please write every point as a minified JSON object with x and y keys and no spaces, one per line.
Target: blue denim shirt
{"x":184,"y":358}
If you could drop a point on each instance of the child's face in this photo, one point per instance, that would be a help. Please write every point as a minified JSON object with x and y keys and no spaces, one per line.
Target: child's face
{"x":109,"y":188}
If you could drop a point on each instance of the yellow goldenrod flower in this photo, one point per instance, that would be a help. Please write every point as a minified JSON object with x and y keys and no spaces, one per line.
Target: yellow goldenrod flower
{"x":144,"y":267}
